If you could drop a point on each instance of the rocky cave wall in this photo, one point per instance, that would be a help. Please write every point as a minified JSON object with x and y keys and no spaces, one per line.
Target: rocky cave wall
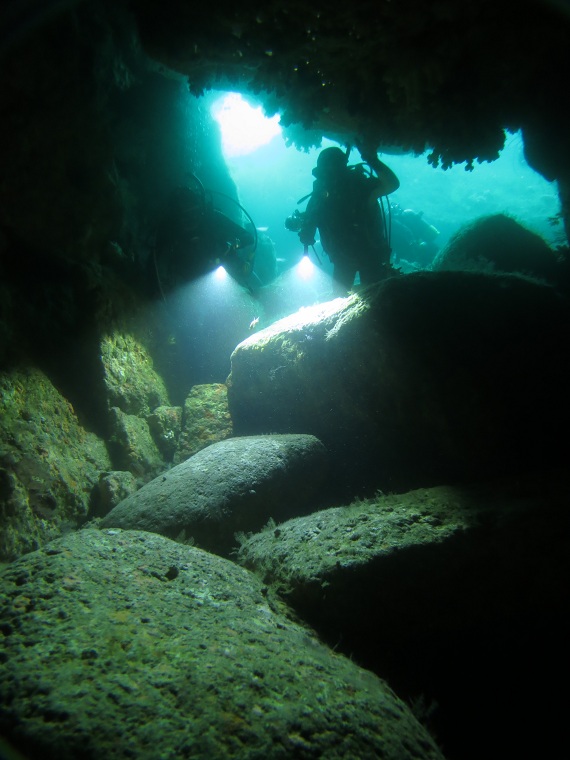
{"x":439,"y":75}
{"x":94,"y":138}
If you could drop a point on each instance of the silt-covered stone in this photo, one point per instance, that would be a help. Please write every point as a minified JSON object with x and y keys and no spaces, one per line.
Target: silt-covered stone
{"x":232,"y":486}
{"x":125,"y":644}
{"x":421,"y":379}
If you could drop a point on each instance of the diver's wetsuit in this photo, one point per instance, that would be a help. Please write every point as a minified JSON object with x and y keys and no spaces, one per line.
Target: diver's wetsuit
{"x":344,"y":207}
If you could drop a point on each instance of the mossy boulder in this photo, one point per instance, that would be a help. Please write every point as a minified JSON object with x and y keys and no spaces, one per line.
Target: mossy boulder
{"x":132,"y":445}
{"x":165,"y":424}
{"x":498,"y":243}
{"x":457,"y":594}
{"x":49,"y":463}
{"x":112,"y":488}
{"x":422,"y":379}
{"x":126,"y":644}
{"x":131,"y":382}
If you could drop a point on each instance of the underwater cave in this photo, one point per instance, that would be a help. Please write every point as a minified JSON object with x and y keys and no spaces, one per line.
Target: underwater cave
{"x":255,"y":516}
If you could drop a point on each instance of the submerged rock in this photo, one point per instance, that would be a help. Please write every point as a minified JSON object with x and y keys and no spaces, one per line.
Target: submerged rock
{"x":421,"y":379}
{"x":132,"y":445}
{"x":125,"y":644}
{"x":231,"y":486}
{"x":165,"y":424}
{"x":112,"y":488}
{"x":49,"y":463}
{"x":499,"y":243}
{"x":206,"y":419}
{"x":131,"y":382}
{"x":457,"y":594}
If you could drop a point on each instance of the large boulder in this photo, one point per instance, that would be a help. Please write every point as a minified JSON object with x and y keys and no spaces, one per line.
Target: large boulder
{"x":422,"y":379}
{"x":231,"y":486}
{"x":457,"y":594}
{"x":125,"y":644}
{"x":501,"y":244}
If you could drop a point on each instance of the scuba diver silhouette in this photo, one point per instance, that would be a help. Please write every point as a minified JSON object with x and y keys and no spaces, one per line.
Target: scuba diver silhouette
{"x":194,"y":238}
{"x":413,"y":239}
{"x":352,"y":224}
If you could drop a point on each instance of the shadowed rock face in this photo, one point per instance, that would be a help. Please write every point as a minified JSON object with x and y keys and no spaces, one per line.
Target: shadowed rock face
{"x":449,"y":592}
{"x":422,"y":379}
{"x":233,"y":485}
{"x":411,"y":74}
{"x":188,"y":660}
{"x":49,"y":464}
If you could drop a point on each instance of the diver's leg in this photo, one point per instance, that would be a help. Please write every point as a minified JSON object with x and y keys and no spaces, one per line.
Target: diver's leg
{"x":375,"y":266}
{"x":343,"y":277}
{"x":372,"y":271}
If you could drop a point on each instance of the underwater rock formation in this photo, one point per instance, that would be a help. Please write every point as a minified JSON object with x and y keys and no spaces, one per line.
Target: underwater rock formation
{"x":422,"y":379}
{"x":442,"y":591}
{"x":165,"y":424}
{"x":414,"y":74}
{"x":49,"y":464}
{"x":131,"y":382}
{"x":206,"y":419}
{"x":499,"y":243}
{"x":95,"y":136}
{"x":132,"y":447}
{"x":231,"y":486}
{"x":125,"y":644}
{"x":113,"y":487}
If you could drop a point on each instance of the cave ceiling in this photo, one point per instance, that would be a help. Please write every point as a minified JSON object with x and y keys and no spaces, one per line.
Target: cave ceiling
{"x":447,"y":76}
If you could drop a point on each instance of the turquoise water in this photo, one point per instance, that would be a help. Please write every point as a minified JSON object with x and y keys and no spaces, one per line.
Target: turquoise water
{"x":273,"y":178}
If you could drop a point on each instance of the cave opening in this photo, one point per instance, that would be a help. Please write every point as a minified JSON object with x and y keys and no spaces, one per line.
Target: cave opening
{"x":272,"y":176}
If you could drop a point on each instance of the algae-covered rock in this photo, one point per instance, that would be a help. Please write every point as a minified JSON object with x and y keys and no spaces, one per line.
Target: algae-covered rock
{"x":141,"y":647}
{"x":165,"y":424}
{"x":131,"y":382}
{"x":231,"y":486}
{"x":452,"y":556}
{"x":499,"y":243}
{"x":457,"y":594}
{"x":421,"y":379}
{"x":206,"y":419}
{"x":112,"y":488}
{"x":132,"y":445}
{"x":49,"y":463}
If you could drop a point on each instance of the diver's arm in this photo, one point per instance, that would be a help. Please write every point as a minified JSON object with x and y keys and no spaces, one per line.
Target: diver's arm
{"x":388,"y":180}
{"x":307,"y":234}
{"x":308,"y":231}
{"x":389,"y":183}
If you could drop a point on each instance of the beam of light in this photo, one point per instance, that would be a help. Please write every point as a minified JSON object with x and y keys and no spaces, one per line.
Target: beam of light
{"x":305,"y":268}
{"x":244,"y":128}
{"x":306,"y":284}
{"x":207,"y":318}
{"x":220,"y":273}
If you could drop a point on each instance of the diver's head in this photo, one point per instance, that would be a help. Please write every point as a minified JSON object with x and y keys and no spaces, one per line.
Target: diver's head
{"x":331,"y":161}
